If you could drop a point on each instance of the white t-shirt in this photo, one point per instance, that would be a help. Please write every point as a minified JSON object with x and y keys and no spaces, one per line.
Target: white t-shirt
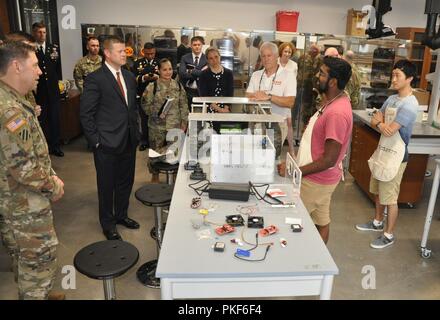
{"x":291,"y":66}
{"x":282,"y":84}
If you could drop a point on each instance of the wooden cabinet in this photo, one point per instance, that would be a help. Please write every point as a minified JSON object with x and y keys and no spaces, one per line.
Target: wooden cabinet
{"x":419,"y":54}
{"x":70,"y":125}
{"x":364,"y":142}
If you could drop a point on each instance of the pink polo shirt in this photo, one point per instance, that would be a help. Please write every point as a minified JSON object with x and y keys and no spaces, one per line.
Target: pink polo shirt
{"x":336,"y":123}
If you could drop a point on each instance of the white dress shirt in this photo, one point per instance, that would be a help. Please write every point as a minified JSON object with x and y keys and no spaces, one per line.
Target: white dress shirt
{"x":113,"y":71}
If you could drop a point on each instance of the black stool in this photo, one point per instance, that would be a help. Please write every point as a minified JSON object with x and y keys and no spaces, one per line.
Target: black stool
{"x":167,"y":168}
{"x":157,"y":196}
{"x":106,"y":260}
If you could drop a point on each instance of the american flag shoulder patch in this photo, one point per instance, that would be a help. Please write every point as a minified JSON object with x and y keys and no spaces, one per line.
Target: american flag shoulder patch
{"x":15,"y":124}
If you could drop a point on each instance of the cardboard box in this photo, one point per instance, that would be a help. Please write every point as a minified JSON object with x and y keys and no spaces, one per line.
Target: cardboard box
{"x":354,"y":23}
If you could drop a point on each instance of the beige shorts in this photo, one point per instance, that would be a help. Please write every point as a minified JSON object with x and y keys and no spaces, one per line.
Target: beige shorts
{"x":388,"y":191}
{"x":316,"y":199}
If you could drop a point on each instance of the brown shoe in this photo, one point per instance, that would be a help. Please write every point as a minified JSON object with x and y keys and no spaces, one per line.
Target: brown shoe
{"x":56,"y":295}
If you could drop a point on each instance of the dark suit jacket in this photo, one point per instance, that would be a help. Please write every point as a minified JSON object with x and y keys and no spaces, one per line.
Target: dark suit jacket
{"x":194,"y":76}
{"x":105,"y":116}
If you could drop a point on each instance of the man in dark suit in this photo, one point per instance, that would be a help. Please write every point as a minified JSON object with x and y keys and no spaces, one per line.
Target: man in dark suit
{"x":146,"y":71}
{"x":108,"y":113}
{"x":48,"y":92}
{"x":191,"y":67}
{"x":184,"y":47}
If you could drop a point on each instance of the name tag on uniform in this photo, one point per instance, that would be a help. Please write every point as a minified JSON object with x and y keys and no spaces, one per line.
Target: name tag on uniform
{"x":277,"y":82}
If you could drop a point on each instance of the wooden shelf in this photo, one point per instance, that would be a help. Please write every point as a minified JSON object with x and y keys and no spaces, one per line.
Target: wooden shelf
{"x":413,"y":34}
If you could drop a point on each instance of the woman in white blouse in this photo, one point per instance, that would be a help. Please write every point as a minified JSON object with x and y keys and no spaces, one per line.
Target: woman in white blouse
{"x":286,"y":50}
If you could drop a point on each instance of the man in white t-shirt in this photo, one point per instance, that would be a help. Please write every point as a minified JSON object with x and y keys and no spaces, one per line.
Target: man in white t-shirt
{"x":277,"y":85}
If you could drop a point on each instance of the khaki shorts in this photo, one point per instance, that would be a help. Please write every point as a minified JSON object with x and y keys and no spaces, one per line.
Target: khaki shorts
{"x":316,"y":199}
{"x":388,"y":191}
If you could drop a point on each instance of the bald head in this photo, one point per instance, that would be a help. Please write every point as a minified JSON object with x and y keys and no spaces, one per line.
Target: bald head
{"x":349,"y":56}
{"x":332,"y":52}
{"x":314,"y":50}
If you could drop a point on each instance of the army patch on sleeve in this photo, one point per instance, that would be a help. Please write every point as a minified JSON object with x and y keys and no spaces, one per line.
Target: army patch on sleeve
{"x":24,"y":134}
{"x":15,"y":124}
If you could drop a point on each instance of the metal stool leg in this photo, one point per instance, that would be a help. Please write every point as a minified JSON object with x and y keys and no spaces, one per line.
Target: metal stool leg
{"x":158,"y":224}
{"x":147,"y":272}
{"x":109,"y":289}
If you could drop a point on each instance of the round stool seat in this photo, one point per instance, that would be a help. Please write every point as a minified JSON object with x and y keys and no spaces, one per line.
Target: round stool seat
{"x":155,"y":194}
{"x":106,"y":259}
{"x":165,"y":167}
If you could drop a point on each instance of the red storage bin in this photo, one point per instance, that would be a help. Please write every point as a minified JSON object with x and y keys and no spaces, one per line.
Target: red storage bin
{"x":287,"y":20}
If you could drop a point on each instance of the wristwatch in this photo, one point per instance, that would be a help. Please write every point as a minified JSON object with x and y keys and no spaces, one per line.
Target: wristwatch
{"x":270,"y":97}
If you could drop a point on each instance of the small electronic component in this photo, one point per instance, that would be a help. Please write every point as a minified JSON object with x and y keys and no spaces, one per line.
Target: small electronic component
{"x":255,"y":222}
{"x":296,"y":227}
{"x":226,"y":228}
{"x":283,"y":242}
{"x":196,"y":202}
{"x":204,"y":212}
{"x":219,"y":247}
{"x":198,"y":174}
{"x":237,"y":241}
{"x":243,"y":253}
{"x":191,"y":165}
{"x":268,"y":231}
{"x":235,"y":220}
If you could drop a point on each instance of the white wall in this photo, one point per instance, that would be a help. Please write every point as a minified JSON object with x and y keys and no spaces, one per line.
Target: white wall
{"x":316,"y":16}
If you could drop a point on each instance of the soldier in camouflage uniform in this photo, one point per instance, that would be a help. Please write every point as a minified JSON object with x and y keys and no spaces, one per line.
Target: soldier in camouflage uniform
{"x":27,"y":182}
{"x":175,"y":118}
{"x":308,"y":67}
{"x":353,"y":87}
{"x":145,"y":70}
{"x":91,"y":62}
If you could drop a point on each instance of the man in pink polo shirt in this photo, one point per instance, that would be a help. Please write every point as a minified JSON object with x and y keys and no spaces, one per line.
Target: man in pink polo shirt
{"x":324,"y":143}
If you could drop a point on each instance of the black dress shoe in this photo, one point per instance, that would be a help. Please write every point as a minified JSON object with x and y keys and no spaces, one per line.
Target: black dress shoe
{"x":112,"y":234}
{"x":143,"y":147}
{"x":129,"y":223}
{"x":56,"y":152}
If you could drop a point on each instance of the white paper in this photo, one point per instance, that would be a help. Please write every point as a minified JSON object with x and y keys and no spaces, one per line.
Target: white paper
{"x":290,"y":220}
{"x":300,"y":42}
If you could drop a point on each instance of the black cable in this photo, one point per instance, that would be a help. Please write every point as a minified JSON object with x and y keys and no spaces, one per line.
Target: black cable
{"x":201,"y":189}
{"x":253,"y":248}
{"x":258,"y":195}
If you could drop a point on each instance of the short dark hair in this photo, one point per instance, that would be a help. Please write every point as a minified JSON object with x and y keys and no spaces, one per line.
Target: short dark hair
{"x":149,"y":45}
{"x":20,"y":36}
{"x":90,"y":38}
{"x":183,"y":36}
{"x":38,"y":25}
{"x":407,"y":67}
{"x":10,"y":50}
{"x":110,"y":40}
{"x":339,"y":69}
{"x":340,"y":50}
{"x":198,"y":38}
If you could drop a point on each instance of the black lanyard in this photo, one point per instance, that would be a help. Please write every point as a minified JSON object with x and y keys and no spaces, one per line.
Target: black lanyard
{"x":273,"y":80}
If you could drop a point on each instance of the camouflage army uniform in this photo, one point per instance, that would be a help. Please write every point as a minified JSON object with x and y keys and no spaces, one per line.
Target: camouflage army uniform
{"x":26,"y":188}
{"x":308,"y":67}
{"x":83,"y":68}
{"x":176,"y":117}
{"x":353,"y":88}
